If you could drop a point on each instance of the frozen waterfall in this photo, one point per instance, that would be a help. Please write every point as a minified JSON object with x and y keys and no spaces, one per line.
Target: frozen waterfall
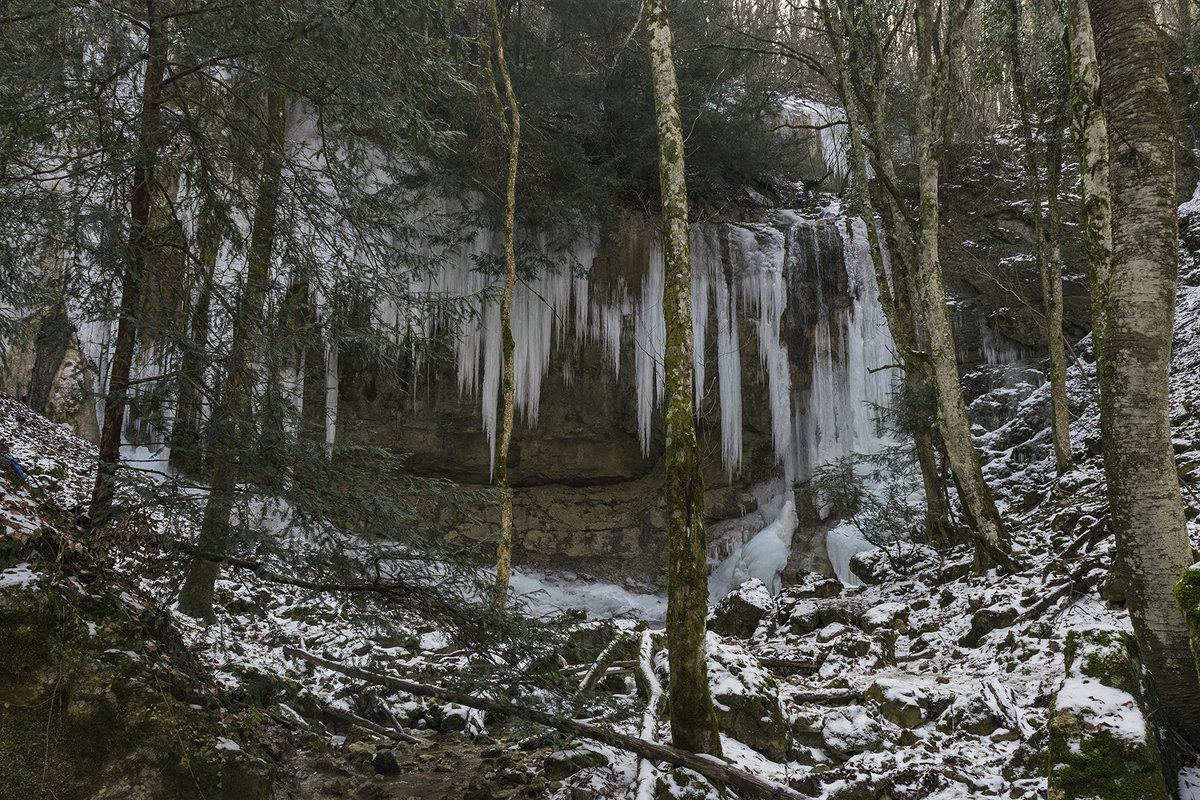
{"x":743,"y":275}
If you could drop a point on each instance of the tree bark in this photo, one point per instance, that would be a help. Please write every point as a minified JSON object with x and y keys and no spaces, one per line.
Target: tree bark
{"x":1047,"y":251}
{"x":133,"y":274}
{"x":693,"y":719}
{"x":510,"y":123}
{"x":955,"y":428}
{"x":231,"y":418}
{"x":1134,"y":357}
{"x":863,"y":92}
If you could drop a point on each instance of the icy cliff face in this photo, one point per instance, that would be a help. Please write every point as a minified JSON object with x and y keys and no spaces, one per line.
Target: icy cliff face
{"x":821,"y":360}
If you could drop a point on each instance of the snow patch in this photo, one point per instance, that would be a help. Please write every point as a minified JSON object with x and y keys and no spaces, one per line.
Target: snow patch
{"x":1102,"y":707}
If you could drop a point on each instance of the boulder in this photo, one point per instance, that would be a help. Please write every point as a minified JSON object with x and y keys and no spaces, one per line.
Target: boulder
{"x":986,"y":620}
{"x":746,"y":698}
{"x":850,"y":730}
{"x":564,"y":763}
{"x":797,"y":616}
{"x":1100,"y":744}
{"x":740,"y":611}
{"x":898,"y":702}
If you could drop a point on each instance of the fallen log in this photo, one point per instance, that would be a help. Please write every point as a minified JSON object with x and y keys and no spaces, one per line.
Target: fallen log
{"x":791,"y":666}
{"x":355,"y":719}
{"x":707,"y":766}
{"x":828,"y":697}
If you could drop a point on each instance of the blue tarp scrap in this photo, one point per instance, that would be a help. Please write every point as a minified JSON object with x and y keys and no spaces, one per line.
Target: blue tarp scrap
{"x":9,"y":463}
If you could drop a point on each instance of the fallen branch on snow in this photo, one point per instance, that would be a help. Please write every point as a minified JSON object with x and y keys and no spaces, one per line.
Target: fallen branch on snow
{"x":707,"y":766}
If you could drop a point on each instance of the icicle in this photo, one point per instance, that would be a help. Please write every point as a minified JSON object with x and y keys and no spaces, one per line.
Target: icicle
{"x":649,"y":342}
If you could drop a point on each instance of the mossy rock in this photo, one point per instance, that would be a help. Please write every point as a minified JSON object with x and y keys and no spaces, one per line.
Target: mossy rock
{"x":1100,"y":745}
{"x":1108,"y":656}
{"x":86,"y":716}
{"x":684,"y":784}
{"x":986,"y":620}
{"x":1098,"y":763}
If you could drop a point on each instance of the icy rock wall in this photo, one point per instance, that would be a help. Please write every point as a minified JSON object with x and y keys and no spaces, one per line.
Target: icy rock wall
{"x":796,"y":296}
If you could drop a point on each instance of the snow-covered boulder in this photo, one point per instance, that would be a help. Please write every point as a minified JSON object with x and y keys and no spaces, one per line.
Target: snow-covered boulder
{"x":986,"y":620}
{"x":893,"y":562}
{"x":740,"y":611}
{"x":812,"y":585}
{"x":899,"y":702}
{"x":746,"y":698}
{"x":850,"y":730}
{"x":886,"y":616}
{"x":1100,"y":743}
{"x":797,"y":616}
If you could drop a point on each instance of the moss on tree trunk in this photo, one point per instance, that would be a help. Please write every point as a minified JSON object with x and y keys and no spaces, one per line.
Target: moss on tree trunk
{"x":693,"y":719}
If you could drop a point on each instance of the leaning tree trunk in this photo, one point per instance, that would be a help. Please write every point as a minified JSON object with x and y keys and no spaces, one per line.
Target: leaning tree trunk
{"x":510,"y":124}
{"x":1135,"y":352}
{"x":134,"y":272}
{"x":231,"y":419}
{"x":895,"y":300}
{"x":955,"y":428}
{"x":693,"y":719}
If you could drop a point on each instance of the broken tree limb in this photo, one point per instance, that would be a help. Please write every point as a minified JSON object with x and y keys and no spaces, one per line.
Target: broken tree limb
{"x":1002,"y":703}
{"x":654,"y":692}
{"x":355,"y":719}
{"x":599,"y":668}
{"x":707,"y":766}
{"x":1083,"y":579}
{"x":829,"y":697}
{"x":792,"y":666}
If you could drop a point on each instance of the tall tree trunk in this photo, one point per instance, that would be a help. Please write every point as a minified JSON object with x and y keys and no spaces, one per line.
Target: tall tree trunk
{"x":133,"y":274}
{"x":1134,"y":356}
{"x":1052,"y":302}
{"x":896,"y":301}
{"x":189,"y":405}
{"x":1089,"y":132}
{"x":693,"y":719}
{"x":231,"y":419}
{"x":1047,"y":251}
{"x":955,"y":429}
{"x":510,"y":123}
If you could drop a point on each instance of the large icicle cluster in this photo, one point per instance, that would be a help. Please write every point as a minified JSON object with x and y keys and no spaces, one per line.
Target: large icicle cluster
{"x":740,"y":284}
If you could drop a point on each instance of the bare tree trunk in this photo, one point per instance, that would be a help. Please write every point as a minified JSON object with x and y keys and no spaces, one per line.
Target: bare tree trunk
{"x":1047,"y":251}
{"x":510,"y":123}
{"x":132,"y":276}
{"x":896,"y":301}
{"x":693,"y":719}
{"x":976,"y":497}
{"x":1134,"y":357}
{"x":231,"y":418}
{"x":1052,"y":302}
